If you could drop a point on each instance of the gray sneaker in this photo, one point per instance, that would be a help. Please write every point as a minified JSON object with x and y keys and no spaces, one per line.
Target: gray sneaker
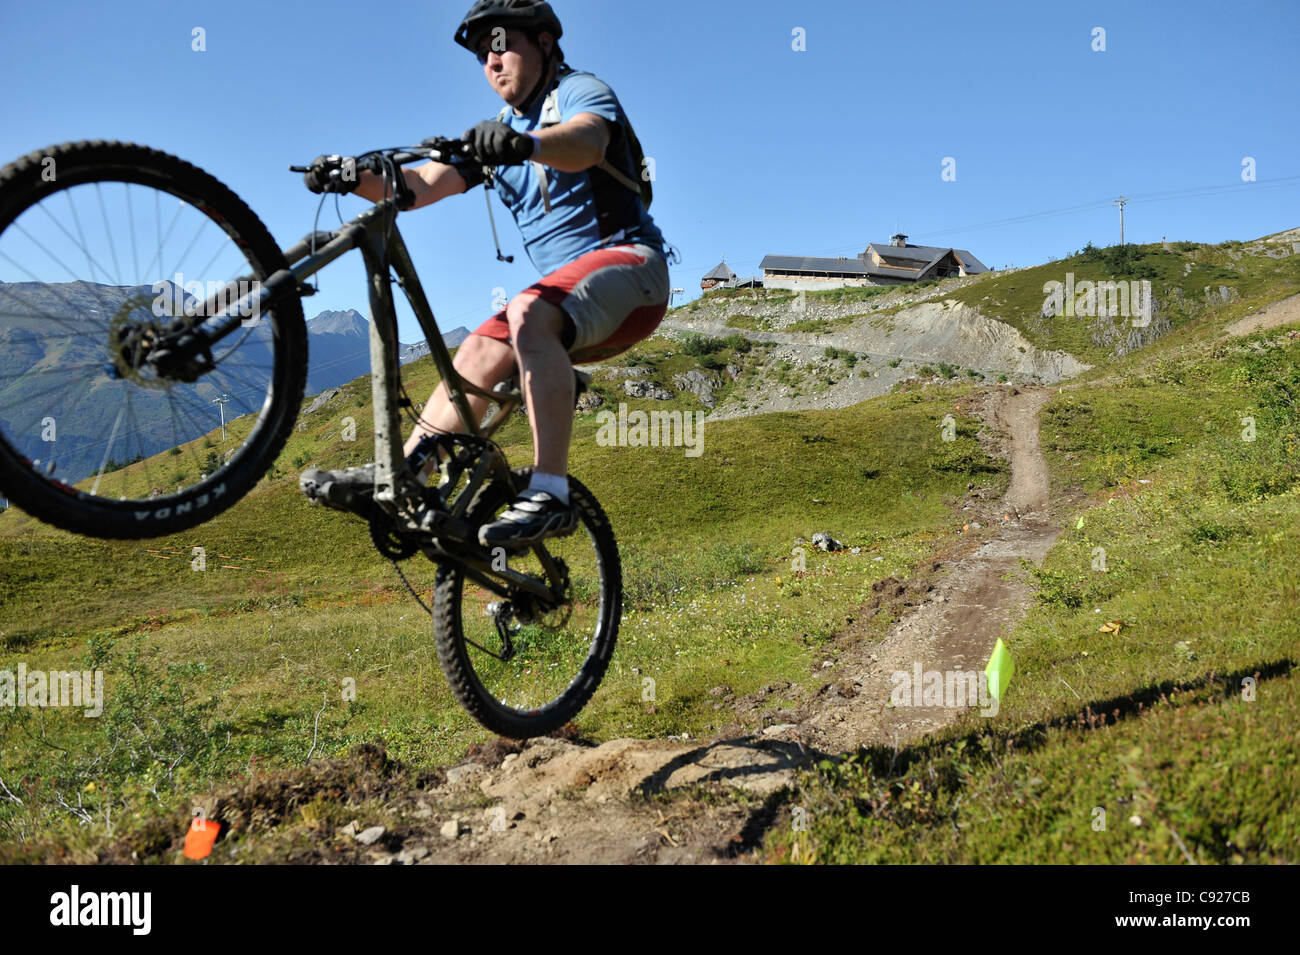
{"x":350,"y":489}
{"x":531,"y":518}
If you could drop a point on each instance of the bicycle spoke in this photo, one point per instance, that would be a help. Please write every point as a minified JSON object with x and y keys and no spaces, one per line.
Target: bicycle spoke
{"x":108,"y":449}
{"x":18,"y":376}
{"x":112,"y":249}
{"x":28,"y":398}
{"x":91,"y":393}
{"x":549,"y":644}
{"x":204,"y":221}
{"x":50,"y":286}
{"x":81,"y":237}
{"x":130,"y":219}
{"x":171,"y":225}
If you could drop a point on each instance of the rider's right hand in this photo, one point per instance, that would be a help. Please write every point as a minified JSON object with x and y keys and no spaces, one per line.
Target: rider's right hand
{"x":325,"y":175}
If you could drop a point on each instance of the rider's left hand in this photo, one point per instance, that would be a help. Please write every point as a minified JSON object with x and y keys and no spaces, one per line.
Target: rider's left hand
{"x":496,"y":144}
{"x":325,"y":175}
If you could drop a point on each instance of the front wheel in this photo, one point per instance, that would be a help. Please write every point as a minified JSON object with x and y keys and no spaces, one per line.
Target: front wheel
{"x":521,"y":666}
{"x":105,"y":249}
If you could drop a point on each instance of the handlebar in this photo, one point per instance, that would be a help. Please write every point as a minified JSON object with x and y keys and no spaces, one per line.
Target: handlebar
{"x":380,"y":161}
{"x":437,"y":148}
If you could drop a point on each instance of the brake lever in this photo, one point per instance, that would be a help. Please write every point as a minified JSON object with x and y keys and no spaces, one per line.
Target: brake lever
{"x":336,"y":173}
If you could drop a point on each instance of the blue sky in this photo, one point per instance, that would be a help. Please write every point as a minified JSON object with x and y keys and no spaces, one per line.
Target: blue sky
{"x":758,"y":148}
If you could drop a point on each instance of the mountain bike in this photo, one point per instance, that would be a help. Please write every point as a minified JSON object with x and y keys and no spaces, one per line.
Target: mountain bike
{"x":139,"y":296}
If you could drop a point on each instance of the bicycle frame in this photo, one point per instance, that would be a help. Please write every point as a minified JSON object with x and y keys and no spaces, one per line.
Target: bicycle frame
{"x":397,"y":490}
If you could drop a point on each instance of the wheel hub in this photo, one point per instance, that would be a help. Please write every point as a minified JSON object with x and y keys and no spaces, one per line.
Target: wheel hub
{"x":147,"y":352}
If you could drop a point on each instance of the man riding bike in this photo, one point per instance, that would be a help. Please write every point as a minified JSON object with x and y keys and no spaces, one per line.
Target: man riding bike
{"x":570,"y":181}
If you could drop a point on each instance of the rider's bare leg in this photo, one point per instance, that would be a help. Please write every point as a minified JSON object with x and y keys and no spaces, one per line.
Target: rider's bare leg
{"x":546,"y":380}
{"x":481,"y":360}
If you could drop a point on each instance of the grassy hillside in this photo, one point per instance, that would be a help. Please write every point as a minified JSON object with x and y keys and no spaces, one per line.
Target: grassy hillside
{"x":1199,"y":531}
{"x":220,"y":674}
{"x":215,"y":673}
{"x":1178,"y":275}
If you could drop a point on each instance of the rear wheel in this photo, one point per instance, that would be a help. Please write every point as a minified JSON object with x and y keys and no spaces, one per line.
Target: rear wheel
{"x":104,"y":248}
{"x":521,"y":666}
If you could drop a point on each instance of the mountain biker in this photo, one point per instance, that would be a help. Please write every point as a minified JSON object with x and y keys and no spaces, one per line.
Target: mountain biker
{"x":605,"y":278}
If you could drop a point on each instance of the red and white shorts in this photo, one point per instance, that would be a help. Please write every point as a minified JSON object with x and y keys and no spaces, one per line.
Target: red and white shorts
{"x":613,"y":297}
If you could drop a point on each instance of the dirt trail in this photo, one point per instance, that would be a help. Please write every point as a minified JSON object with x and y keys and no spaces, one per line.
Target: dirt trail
{"x":975,"y":603}
{"x":556,"y":801}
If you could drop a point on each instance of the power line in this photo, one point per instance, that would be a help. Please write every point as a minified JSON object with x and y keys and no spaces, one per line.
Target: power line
{"x":1139,"y":197}
{"x":1096,"y":204}
{"x":1212,"y":190}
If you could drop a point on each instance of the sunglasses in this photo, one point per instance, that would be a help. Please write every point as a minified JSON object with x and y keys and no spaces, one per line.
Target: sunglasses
{"x":491,"y":47}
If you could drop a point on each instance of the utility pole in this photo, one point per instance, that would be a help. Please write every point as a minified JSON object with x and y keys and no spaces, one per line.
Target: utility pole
{"x":1120,"y":202}
{"x":221,"y":403}
{"x":672,"y":293}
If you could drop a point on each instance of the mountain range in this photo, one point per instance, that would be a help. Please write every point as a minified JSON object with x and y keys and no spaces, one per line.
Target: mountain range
{"x":55,"y":373}
{"x":338,"y":346}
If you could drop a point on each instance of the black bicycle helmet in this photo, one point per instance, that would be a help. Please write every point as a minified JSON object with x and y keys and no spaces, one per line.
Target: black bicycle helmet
{"x":535,"y":16}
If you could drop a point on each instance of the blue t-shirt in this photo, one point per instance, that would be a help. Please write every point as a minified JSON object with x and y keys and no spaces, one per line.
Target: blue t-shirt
{"x":589,"y":209}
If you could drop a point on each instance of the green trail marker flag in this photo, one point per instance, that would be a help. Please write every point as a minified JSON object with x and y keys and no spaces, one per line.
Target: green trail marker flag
{"x":999,"y":670}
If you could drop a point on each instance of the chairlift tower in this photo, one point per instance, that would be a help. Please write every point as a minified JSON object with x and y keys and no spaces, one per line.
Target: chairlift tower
{"x":220,"y":401}
{"x":1120,"y":202}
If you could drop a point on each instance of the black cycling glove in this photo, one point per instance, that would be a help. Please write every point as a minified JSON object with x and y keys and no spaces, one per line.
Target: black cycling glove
{"x":496,"y":144}
{"x":325,"y":175}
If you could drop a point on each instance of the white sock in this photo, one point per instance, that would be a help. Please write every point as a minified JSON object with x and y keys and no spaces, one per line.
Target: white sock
{"x":556,"y":485}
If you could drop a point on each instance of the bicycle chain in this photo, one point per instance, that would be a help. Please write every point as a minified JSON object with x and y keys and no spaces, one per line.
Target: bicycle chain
{"x":479,"y":445}
{"x":397,"y":567}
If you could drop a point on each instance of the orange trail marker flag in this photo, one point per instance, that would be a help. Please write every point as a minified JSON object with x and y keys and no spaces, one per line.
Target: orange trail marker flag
{"x":198,"y":841}
{"x":999,"y":670}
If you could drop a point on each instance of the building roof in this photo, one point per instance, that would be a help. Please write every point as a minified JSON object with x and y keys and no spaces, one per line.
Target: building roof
{"x":918,"y":259}
{"x":720,"y":272}
{"x":923,"y":253}
{"x":927,"y":254}
{"x":969,"y":261}
{"x":801,"y":263}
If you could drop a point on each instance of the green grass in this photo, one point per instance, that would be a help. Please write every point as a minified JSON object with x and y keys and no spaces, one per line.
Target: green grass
{"x":842,"y":296}
{"x":759,"y":294}
{"x":1148,"y":725}
{"x":750,"y":323}
{"x":667,"y":358}
{"x":214,"y":675}
{"x":247,"y":661}
{"x":821,"y":326}
{"x":1178,"y":279}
